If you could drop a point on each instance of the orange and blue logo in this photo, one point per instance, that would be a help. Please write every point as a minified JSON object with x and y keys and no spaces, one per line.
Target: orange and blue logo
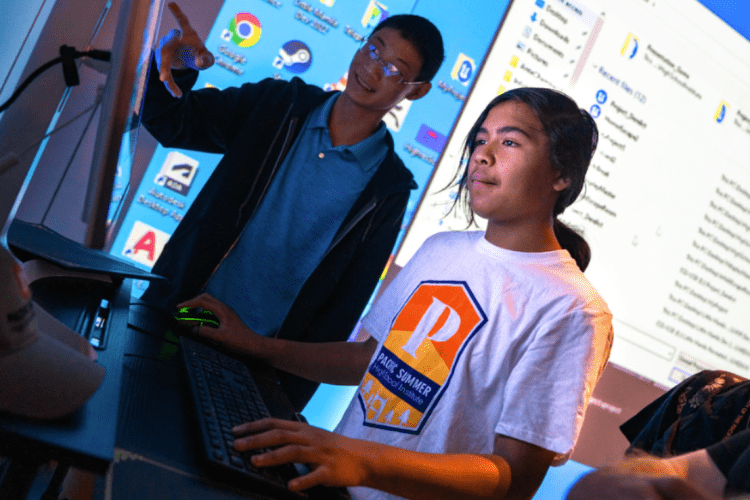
{"x":415,"y":364}
{"x":244,"y":30}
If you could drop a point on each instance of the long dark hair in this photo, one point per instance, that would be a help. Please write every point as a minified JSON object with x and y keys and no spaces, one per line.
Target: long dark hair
{"x":572,"y":137}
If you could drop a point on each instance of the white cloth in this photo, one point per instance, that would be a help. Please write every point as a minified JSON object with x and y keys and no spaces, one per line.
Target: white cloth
{"x":475,"y":340}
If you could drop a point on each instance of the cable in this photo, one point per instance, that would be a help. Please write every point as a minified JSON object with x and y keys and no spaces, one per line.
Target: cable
{"x":67,"y":55}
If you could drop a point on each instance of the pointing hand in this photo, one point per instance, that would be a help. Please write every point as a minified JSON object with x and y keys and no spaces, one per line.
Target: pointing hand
{"x":179,"y":49}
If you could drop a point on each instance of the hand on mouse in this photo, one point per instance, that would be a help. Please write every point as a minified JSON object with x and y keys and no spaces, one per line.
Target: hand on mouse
{"x":231,"y":332}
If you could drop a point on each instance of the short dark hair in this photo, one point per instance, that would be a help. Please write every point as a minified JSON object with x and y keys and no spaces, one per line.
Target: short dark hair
{"x":424,"y":36}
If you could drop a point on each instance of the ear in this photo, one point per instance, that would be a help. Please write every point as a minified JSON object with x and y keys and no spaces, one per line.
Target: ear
{"x":419,"y":92}
{"x":561,"y":184}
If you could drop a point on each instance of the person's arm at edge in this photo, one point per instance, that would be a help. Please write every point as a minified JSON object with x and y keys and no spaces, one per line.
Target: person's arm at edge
{"x":338,"y":363}
{"x":690,"y":476}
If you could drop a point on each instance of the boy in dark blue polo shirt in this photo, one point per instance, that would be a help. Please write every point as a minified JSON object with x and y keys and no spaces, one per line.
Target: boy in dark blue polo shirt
{"x":296,"y":224}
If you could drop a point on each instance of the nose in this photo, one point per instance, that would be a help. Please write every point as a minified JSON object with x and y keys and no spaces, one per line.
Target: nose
{"x":374,"y":67}
{"x":485,"y":154}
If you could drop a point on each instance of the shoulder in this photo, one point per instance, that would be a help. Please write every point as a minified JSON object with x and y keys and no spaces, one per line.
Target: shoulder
{"x":561,"y":276}
{"x":562,"y":295}
{"x":450,"y":242}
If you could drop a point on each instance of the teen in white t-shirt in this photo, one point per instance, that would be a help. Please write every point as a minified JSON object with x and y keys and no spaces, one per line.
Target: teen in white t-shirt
{"x":485,"y":348}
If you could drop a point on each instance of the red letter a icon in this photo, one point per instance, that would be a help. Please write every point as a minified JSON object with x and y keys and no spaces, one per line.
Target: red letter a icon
{"x":146,"y":243}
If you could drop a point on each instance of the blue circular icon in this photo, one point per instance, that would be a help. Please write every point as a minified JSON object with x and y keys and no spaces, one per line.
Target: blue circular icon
{"x":595,"y":111}
{"x":294,"y":56}
{"x":601,"y":97}
{"x":465,"y":72}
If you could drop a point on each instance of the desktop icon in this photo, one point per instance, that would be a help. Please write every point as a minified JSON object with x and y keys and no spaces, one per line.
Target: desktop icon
{"x":177,"y":172}
{"x":507,"y":76}
{"x":339,"y":85}
{"x":431,"y":138}
{"x":244,"y":30}
{"x":514,"y":62}
{"x":294,"y":56}
{"x":721,"y":112}
{"x":630,"y":47}
{"x":463,"y":70}
{"x":374,"y":13}
{"x":144,"y":244}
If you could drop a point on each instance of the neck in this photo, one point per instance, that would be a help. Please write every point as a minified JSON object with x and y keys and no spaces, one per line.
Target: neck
{"x":524,"y":237}
{"x":349,"y":123}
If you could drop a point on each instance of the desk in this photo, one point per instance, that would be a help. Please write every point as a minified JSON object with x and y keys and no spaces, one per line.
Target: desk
{"x":157,"y":454}
{"x":138,"y":427}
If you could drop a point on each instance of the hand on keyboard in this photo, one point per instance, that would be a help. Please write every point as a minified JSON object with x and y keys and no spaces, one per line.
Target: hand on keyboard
{"x":334,"y":460}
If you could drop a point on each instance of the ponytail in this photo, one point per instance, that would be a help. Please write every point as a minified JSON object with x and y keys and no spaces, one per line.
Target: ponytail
{"x":574,"y":243}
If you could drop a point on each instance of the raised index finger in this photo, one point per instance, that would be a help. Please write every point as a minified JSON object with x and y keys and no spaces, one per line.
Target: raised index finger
{"x":182,"y":19}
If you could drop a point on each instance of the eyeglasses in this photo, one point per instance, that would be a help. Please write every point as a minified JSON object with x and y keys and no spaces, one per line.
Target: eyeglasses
{"x":389,"y":69}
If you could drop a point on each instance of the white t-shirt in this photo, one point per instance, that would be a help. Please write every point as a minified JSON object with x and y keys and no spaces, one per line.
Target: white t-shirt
{"x":475,"y":340}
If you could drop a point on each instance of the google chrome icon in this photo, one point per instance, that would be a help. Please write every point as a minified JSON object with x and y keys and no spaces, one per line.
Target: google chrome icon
{"x":244,"y":29}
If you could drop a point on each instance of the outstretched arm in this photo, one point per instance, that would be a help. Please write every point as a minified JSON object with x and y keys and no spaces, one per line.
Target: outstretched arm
{"x":339,"y":363}
{"x":513,"y":471}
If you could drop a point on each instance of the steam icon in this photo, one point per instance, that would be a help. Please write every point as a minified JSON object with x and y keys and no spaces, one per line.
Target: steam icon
{"x":294,"y":56}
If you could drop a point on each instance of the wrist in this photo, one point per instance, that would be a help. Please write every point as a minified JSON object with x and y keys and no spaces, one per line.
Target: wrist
{"x":183,"y":71}
{"x":266,"y":349}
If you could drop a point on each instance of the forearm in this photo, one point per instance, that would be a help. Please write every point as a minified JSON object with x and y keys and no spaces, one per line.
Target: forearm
{"x":695,"y":467}
{"x":337,"y":363}
{"x":692,"y":475}
{"x":416,"y":475}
